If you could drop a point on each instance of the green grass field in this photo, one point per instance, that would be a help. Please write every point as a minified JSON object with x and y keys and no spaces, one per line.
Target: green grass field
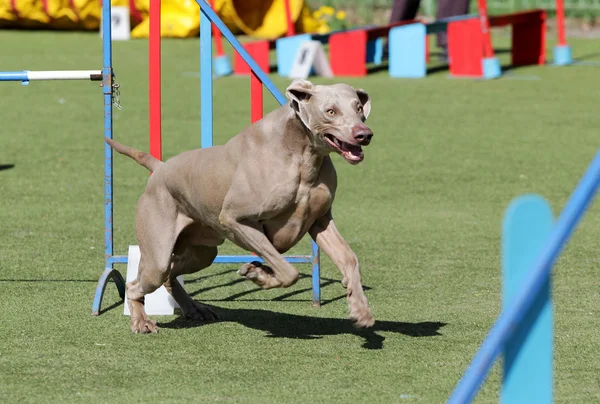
{"x":423,"y":213}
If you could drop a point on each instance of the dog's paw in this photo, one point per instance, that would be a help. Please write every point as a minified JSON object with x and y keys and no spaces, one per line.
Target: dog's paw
{"x":143,"y":325}
{"x":200,"y":312}
{"x":260,"y":274}
{"x":360,"y":313}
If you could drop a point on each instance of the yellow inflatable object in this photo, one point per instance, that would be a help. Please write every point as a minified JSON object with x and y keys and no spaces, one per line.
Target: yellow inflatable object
{"x":264,"y":19}
{"x":257,"y":18}
{"x":23,"y":13}
{"x":57,"y":14}
{"x":178,"y":19}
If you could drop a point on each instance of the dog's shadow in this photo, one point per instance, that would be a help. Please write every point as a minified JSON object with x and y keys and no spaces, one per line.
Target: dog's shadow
{"x":283,"y":325}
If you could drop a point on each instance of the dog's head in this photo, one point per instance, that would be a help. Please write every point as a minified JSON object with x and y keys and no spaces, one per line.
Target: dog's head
{"x":334,"y":115}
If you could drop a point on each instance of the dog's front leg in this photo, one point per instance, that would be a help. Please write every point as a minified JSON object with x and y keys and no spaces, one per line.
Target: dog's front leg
{"x":333,"y":244}
{"x":247,"y":234}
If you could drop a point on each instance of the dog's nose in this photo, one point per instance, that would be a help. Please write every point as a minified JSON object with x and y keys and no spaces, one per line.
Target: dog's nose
{"x":362,"y":134}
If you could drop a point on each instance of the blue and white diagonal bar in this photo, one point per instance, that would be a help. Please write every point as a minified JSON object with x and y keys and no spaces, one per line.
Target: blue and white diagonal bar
{"x":27,"y":75}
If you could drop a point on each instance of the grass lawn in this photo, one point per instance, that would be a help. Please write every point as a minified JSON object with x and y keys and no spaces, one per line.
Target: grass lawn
{"x":422,"y":212}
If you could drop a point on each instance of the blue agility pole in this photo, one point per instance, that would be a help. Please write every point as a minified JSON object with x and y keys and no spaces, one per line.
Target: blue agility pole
{"x":534,"y":284}
{"x":207,"y":16}
{"x":108,"y":89}
{"x":206,"y":83}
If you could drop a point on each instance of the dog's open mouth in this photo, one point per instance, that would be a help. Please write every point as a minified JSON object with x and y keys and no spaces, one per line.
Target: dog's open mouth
{"x":352,"y":153}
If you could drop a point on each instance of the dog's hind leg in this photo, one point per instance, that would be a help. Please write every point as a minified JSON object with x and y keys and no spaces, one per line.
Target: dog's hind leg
{"x":190,"y":260}
{"x":156,"y":232}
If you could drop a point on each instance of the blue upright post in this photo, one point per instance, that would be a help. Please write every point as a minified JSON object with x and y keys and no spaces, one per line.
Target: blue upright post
{"x":206,"y":85}
{"x":316,"y":274}
{"x":527,"y":376}
{"x":107,"y":90}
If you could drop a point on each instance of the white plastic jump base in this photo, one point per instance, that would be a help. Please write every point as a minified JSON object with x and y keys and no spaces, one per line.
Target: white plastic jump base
{"x":157,"y":303}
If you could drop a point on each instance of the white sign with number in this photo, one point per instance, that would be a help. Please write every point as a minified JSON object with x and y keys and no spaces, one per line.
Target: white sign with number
{"x":309,"y":55}
{"x":119,"y":23}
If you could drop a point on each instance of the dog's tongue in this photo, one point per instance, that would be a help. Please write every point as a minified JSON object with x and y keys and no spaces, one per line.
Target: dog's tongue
{"x":352,"y":152}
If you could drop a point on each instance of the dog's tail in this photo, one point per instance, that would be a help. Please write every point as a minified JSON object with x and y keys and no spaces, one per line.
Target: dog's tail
{"x":142,"y":158}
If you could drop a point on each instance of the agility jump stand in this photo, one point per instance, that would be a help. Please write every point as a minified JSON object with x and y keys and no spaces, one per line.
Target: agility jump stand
{"x":288,"y":48}
{"x":259,"y":77}
{"x":206,"y":74}
{"x":368,"y":49}
{"x":523,"y":333}
{"x":350,"y":51}
{"x":110,"y":90}
{"x":470,"y":48}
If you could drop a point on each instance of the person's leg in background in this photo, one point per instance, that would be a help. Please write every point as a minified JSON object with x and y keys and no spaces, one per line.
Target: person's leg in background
{"x":404,"y":10}
{"x":445,"y":9}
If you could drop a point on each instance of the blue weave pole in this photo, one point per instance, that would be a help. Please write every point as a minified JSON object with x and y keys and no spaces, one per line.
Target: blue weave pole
{"x":207,"y":16}
{"x":107,"y":89}
{"x":527,"y":375}
{"x":534,"y":283}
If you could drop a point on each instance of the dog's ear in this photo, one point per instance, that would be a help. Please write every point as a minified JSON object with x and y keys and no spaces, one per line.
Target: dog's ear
{"x":365,"y":100}
{"x":299,"y":93}
{"x":300,"y":90}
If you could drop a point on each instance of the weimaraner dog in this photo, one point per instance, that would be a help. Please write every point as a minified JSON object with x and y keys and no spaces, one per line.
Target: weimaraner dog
{"x":263,"y":190}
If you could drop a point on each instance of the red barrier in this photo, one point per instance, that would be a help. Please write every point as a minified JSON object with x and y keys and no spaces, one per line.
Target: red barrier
{"x":465,"y":48}
{"x":467,"y":44}
{"x":259,"y":50}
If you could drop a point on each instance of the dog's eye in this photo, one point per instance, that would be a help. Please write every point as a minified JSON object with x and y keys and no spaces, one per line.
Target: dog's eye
{"x":330,"y":112}
{"x":360,"y":108}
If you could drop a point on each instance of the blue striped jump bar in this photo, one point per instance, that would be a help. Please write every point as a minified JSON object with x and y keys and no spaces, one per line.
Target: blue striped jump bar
{"x":26,"y":76}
